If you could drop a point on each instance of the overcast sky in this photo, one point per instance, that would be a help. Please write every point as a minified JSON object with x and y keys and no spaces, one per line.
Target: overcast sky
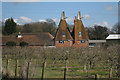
{"x":101,"y":13}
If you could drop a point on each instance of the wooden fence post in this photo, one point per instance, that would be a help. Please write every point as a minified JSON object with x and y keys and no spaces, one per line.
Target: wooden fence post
{"x":110,"y":73}
{"x":118,"y":72}
{"x":43,"y":69}
{"x":85,"y":67}
{"x":65,"y":70}
{"x":7,"y":64}
{"x":28,"y":67}
{"x":16,"y":68}
{"x":96,"y":76}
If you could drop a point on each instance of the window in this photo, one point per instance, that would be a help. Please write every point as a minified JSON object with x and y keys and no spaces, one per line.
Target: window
{"x":79,"y":34}
{"x":63,"y":34}
{"x":82,"y":41}
{"x":61,"y":42}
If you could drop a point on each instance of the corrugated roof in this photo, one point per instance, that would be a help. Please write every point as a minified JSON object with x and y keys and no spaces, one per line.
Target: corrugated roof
{"x":113,"y":36}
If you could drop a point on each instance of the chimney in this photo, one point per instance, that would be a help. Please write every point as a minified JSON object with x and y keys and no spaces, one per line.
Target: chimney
{"x":75,"y":30}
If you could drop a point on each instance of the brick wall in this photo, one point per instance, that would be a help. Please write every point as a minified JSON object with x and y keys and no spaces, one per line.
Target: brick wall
{"x":65,"y":44}
{"x":79,"y":44}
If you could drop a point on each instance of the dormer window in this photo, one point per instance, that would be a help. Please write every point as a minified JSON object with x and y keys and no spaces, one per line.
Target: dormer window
{"x":63,"y":34}
{"x":79,"y":34}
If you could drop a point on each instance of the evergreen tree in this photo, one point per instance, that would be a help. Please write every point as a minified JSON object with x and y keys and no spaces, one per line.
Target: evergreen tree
{"x":10,"y":26}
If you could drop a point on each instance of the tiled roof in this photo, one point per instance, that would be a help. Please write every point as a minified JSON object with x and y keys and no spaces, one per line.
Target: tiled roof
{"x":63,"y":29}
{"x":31,"y":38}
{"x":80,"y":28}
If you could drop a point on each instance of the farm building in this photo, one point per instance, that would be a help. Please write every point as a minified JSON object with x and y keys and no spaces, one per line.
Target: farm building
{"x":33,"y":39}
{"x":93,"y":43}
{"x":63,"y":38}
{"x":78,"y":37}
{"x":113,"y":38}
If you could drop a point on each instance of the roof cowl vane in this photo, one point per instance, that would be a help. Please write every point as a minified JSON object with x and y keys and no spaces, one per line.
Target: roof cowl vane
{"x":63,"y":15}
{"x":79,"y":16}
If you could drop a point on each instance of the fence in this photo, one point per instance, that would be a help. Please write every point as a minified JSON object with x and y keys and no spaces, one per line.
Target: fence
{"x":38,"y":68}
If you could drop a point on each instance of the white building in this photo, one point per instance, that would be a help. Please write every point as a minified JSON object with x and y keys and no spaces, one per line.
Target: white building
{"x":113,"y":37}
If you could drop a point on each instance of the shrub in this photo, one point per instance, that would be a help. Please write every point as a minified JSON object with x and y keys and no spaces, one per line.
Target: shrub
{"x":22,"y":44}
{"x":11,"y":43}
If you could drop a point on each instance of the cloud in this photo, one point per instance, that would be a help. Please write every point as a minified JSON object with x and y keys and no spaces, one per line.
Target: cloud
{"x":6,"y":19}
{"x":104,"y":23}
{"x":87,"y":16}
{"x":23,"y":20}
{"x":56,"y":20}
{"x":70,"y":20}
{"x":42,"y":20}
{"x":109,"y":8}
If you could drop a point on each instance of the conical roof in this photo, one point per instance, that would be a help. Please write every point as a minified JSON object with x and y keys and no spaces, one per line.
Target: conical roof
{"x":63,"y":29}
{"x":80,"y":28}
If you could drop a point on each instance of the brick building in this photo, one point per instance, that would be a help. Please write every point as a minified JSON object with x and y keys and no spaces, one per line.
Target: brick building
{"x":63,"y":36}
{"x":78,"y":37}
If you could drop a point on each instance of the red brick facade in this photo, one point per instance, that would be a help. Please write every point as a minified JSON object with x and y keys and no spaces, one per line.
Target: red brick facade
{"x":78,"y":38}
{"x":65,"y":44}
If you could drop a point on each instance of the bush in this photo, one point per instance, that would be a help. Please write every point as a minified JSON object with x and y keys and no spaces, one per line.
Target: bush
{"x":22,"y":44}
{"x":11,"y":43}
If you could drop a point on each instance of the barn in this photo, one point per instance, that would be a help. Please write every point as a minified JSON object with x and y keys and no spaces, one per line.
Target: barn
{"x":33,"y":39}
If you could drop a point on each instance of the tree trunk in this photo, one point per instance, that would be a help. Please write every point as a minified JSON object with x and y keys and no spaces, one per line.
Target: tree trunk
{"x":110,"y":73}
{"x":43,"y":69}
{"x":28,"y":67}
{"x":7,"y":65}
{"x":90,"y":65}
{"x":119,"y":62}
{"x":88,"y":71}
{"x":16,"y":68}
{"x":53,"y":63}
{"x":85,"y":68}
{"x":96,"y":76}
{"x":65,"y":70}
